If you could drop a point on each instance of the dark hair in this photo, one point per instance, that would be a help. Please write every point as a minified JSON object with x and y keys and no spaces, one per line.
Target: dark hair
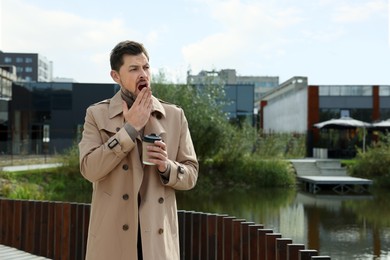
{"x":125,"y":47}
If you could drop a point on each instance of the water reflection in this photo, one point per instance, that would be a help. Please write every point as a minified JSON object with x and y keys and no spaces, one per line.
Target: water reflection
{"x":343,"y":227}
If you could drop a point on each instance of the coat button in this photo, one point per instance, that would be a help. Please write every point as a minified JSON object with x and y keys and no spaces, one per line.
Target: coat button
{"x":125,"y":167}
{"x":161,"y":200}
{"x":180,"y":169}
{"x":160,"y":231}
{"x":125,"y":227}
{"x":118,"y":128}
{"x":125,"y":196}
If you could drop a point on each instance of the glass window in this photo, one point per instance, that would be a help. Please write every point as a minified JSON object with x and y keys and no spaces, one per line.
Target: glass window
{"x":19,"y":59}
{"x":323,"y":90}
{"x":28,"y":60}
{"x":334,"y":91}
{"x":61,"y":96}
{"x":345,"y":90}
{"x":384,"y":90}
{"x":385,"y":113}
{"x":7,"y":59}
{"x":28,"y":69}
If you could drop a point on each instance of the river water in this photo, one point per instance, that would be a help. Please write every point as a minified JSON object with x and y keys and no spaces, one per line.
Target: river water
{"x":352,"y":226}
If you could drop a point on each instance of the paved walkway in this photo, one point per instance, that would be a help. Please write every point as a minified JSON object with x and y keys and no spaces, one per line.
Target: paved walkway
{"x":28,"y":167}
{"x":10,"y":253}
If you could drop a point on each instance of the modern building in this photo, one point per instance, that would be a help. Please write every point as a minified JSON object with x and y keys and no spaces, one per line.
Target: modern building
{"x":29,"y":66}
{"x":262,"y":84}
{"x":47,"y":117}
{"x":295,"y":106}
{"x":243,"y":93}
{"x":7,"y":76}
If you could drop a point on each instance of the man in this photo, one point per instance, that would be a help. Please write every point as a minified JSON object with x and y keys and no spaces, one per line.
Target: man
{"x":133,"y":209}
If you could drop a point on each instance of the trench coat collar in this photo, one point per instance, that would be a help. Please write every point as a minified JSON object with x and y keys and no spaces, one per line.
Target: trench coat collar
{"x":115,"y":107}
{"x":153,"y":126}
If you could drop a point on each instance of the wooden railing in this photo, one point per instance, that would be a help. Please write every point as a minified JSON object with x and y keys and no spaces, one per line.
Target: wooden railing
{"x":58,"y":230}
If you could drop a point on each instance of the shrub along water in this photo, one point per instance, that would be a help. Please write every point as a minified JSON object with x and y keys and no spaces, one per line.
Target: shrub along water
{"x":374,"y":163}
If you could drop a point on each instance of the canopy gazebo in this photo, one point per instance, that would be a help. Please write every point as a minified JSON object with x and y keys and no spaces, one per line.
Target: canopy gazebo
{"x":345,"y":123}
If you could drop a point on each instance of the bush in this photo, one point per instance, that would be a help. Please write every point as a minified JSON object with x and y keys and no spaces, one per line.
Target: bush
{"x":374,"y":163}
{"x":231,"y":154}
{"x":208,"y":125}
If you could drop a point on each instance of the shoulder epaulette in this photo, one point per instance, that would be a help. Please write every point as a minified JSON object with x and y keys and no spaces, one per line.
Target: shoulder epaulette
{"x":106,"y":101}
{"x":165,"y":102}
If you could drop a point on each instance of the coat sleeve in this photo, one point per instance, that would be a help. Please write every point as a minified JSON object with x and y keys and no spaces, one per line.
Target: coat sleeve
{"x":99,"y":153}
{"x":184,"y":170}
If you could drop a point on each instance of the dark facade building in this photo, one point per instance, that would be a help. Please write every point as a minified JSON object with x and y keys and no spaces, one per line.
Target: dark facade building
{"x":48,"y":117}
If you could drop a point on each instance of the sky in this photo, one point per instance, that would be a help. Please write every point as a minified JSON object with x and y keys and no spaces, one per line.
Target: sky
{"x":329,"y":41}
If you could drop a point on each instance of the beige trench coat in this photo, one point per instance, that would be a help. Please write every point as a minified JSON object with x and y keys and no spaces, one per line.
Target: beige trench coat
{"x":111,"y":161}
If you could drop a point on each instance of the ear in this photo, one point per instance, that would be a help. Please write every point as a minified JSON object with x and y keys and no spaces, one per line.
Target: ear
{"x":115,"y":76}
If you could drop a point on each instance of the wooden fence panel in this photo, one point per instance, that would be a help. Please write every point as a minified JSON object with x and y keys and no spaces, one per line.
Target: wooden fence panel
{"x":306,"y":254}
{"x":281,"y":248}
{"x":189,"y":235}
{"x":212,"y":236}
{"x":43,"y":239}
{"x":59,"y":230}
{"x":37,"y":225}
{"x":182,"y":233}
{"x":33,"y":229}
{"x":87,"y":211}
{"x":17,"y":225}
{"x":293,"y":251}
{"x":270,"y":240}
{"x":254,"y":244}
{"x":228,"y":238}
{"x":50,"y":230}
{"x":245,"y":239}
{"x":204,"y":238}
{"x":237,"y":225}
{"x":196,"y":227}
{"x":262,"y":244}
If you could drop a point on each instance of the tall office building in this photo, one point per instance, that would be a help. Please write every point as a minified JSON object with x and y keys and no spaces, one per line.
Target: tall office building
{"x":29,"y":66}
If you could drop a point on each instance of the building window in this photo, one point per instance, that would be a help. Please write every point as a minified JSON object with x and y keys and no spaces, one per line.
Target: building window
{"x":19,"y":69}
{"x":28,"y":69}
{"x":337,"y":90}
{"x":384,"y":91}
{"x":19,"y":60}
{"x":28,"y":60}
{"x":7,"y":59}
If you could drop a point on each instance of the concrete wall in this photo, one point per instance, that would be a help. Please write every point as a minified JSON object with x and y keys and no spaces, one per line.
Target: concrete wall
{"x":288,"y":114}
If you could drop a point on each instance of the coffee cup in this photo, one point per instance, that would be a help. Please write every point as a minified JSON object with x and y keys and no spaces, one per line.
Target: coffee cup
{"x":148,"y":140}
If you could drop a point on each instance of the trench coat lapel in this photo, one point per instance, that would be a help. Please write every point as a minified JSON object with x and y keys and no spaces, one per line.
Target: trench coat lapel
{"x":154,"y":126}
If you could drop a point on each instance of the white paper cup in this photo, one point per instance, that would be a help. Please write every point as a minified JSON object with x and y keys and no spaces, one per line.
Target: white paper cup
{"x":146,"y":141}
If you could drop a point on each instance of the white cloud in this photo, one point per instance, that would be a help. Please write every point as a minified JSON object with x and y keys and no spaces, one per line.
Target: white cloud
{"x":249,"y":29}
{"x":65,"y":38}
{"x":358,"y":12}
{"x":252,"y":36}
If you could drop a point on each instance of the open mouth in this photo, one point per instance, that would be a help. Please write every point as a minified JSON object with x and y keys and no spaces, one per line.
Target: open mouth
{"x":142,"y":85}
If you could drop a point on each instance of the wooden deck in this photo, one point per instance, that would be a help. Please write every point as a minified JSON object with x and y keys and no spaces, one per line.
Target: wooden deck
{"x":338,"y":184}
{"x":10,"y":253}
